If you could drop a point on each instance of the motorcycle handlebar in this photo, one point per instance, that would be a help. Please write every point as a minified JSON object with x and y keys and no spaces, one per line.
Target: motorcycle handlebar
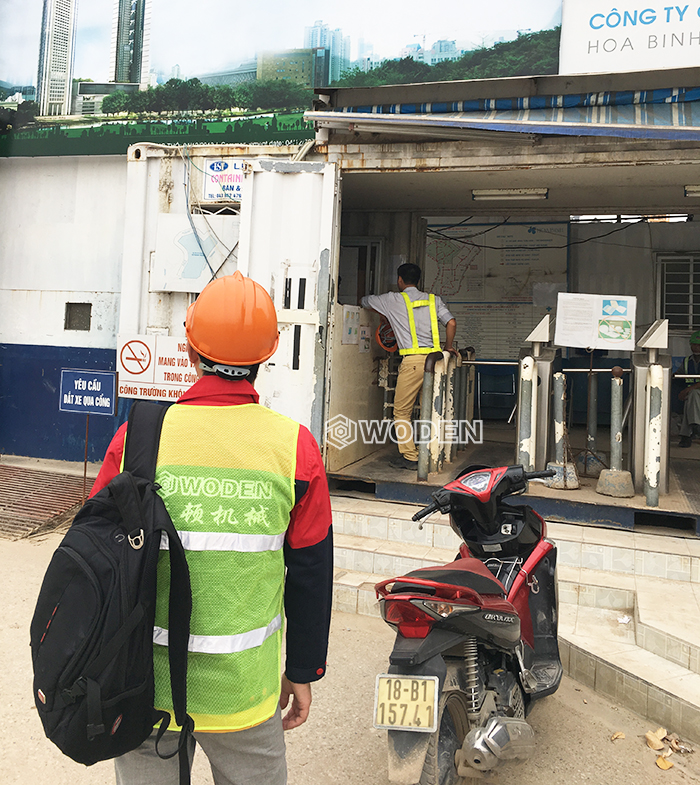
{"x":537,"y":475}
{"x":432,"y":507}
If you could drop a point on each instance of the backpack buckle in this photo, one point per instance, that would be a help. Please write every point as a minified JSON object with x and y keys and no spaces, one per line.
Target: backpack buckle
{"x":136,"y":540}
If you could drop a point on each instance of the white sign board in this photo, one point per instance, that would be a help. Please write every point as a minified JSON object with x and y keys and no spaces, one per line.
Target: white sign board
{"x":188,"y":254}
{"x":629,"y":35}
{"x":596,"y":321}
{"x":223,"y":179}
{"x":153,"y":367}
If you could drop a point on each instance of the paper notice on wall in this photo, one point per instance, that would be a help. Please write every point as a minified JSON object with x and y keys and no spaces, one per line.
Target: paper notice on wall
{"x":595,"y":321}
{"x":365,"y":338}
{"x":351,"y":324}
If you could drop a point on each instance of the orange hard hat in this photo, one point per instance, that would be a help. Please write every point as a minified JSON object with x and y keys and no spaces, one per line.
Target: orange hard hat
{"x":233,"y":322}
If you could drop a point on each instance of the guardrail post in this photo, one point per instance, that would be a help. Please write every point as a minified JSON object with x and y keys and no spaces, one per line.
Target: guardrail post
{"x":565,"y":476}
{"x":528,"y":418}
{"x":590,"y":462}
{"x":652,"y":456}
{"x":426,"y":413}
{"x":614,"y":481}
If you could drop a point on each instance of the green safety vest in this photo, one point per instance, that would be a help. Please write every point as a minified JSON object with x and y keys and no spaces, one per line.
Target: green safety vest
{"x":227,"y":479}
{"x":686,"y":364}
{"x":410,"y":305}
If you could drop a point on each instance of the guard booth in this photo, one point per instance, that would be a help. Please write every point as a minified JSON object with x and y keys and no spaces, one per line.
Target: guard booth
{"x":495,"y":188}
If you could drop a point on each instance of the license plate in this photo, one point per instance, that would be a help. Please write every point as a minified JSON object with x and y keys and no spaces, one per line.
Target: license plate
{"x":406,"y":703}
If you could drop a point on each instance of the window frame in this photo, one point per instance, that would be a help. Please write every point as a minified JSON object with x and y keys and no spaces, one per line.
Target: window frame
{"x":692,"y":258}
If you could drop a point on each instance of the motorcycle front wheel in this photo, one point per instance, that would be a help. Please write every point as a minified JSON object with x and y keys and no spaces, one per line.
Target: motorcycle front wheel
{"x":453,"y":726}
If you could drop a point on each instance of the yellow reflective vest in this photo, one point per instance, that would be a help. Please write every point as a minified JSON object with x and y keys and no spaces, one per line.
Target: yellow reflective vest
{"x":410,"y":305}
{"x":227,"y":479}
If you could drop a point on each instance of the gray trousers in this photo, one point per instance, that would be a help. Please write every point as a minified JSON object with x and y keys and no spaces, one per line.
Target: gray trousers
{"x":246,"y":757}
{"x":691,"y":413}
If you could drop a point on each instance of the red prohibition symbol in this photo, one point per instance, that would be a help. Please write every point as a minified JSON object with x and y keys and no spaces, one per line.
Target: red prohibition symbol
{"x":135,"y":357}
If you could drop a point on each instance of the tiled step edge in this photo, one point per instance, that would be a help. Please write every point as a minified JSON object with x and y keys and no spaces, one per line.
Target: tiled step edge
{"x":624,"y":593}
{"x":353,"y":592}
{"x":620,"y":683}
{"x":383,"y":557}
{"x":392,"y":522}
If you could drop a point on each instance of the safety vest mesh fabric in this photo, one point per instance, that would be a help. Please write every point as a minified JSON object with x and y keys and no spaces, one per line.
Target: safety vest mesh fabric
{"x":686,"y":366}
{"x":227,"y":479}
{"x":410,"y":305}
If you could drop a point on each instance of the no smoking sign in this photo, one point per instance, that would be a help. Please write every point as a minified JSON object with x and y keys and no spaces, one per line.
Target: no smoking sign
{"x":135,"y":358}
{"x":154,"y":367}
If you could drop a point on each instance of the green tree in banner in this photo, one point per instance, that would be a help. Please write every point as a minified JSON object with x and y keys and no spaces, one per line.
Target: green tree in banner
{"x":115,"y":103}
{"x":529,"y":54}
{"x":273,"y":94}
{"x":26,"y":113}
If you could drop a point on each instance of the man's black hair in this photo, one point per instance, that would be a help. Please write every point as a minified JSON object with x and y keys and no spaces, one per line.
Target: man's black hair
{"x":252,"y":375}
{"x":409,"y":273}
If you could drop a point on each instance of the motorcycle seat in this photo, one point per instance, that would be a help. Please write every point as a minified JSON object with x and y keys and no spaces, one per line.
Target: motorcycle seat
{"x":466,"y":573}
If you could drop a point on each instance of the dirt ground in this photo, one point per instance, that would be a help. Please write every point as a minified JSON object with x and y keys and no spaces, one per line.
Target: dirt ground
{"x":337,"y":744}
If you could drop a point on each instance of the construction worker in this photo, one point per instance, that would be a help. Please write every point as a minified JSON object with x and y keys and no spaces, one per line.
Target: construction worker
{"x":247,"y":491}
{"x":690,"y":425}
{"x":413,"y":316}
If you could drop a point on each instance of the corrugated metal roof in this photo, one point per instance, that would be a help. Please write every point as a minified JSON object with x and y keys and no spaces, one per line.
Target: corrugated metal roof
{"x":663,"y":113}
{"x":469,"y":124}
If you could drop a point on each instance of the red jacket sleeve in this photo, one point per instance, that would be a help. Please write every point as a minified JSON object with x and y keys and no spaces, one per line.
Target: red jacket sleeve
{"x":308,"y":555}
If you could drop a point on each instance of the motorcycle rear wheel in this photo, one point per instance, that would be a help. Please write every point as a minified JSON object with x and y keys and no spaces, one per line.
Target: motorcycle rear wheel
{"x":453,"y":726}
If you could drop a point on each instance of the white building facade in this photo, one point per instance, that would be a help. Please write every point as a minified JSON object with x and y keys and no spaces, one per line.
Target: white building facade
{"x":56,"y":55}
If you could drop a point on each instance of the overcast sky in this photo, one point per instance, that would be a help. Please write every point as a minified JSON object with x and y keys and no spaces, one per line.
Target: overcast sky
{"x":203,"y":36}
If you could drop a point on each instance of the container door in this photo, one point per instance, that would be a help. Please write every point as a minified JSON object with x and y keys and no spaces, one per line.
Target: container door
{"x":290,"y":218}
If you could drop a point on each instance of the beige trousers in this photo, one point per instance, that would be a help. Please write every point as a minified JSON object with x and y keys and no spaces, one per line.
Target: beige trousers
{"x":408,"y":385}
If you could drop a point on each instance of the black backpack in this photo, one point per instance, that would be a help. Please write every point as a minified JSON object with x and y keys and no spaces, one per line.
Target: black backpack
{"x":92,"y":630}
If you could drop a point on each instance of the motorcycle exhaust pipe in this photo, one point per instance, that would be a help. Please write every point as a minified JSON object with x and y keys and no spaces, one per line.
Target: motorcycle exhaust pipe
{"x":502,"y":738}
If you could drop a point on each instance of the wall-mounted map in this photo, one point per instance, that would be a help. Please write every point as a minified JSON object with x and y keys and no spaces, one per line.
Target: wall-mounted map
{"x":498,"y":280}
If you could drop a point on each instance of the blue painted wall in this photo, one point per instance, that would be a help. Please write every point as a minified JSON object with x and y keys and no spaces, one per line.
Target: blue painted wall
{"x":30,"y":422}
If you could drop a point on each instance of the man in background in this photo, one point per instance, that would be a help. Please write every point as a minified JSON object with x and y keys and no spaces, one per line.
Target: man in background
{"x":413,"y":316}
{"x":690,"y":425}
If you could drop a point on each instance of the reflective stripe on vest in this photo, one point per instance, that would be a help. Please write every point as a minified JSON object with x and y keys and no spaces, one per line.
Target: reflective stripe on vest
{"x":224,"y":644}
{"x":227,"y":479}
{"x":686,"y":365}
{"x":410,"y":305}
{"x":226,"y":541}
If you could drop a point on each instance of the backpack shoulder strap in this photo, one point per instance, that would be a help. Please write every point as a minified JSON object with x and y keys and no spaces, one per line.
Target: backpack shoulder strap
{"x":143,"y":437}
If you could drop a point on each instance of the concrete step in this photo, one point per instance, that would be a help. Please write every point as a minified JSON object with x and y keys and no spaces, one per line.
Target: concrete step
{"x":386,"y":557}
{"x":353,"y":592}
{"x":391,"y":522}
{"x":599,"y":650}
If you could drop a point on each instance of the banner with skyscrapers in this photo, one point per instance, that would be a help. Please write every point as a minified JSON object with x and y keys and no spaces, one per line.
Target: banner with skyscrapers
{"x":157,"y":63}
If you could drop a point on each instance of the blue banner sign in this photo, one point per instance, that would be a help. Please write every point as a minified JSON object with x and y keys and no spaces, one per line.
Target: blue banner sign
{"x":90,"y":392}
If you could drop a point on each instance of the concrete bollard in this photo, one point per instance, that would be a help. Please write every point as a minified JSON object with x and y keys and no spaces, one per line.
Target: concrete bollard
{"x":614,"y":481}
{"x":527,"y":408}
{"x":566,"y":476}
{"x":652,"y":446}
{"x":590,"y":462}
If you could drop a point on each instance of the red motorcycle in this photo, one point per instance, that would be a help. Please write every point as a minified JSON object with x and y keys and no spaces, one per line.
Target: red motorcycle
{"x":476,"y":640}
